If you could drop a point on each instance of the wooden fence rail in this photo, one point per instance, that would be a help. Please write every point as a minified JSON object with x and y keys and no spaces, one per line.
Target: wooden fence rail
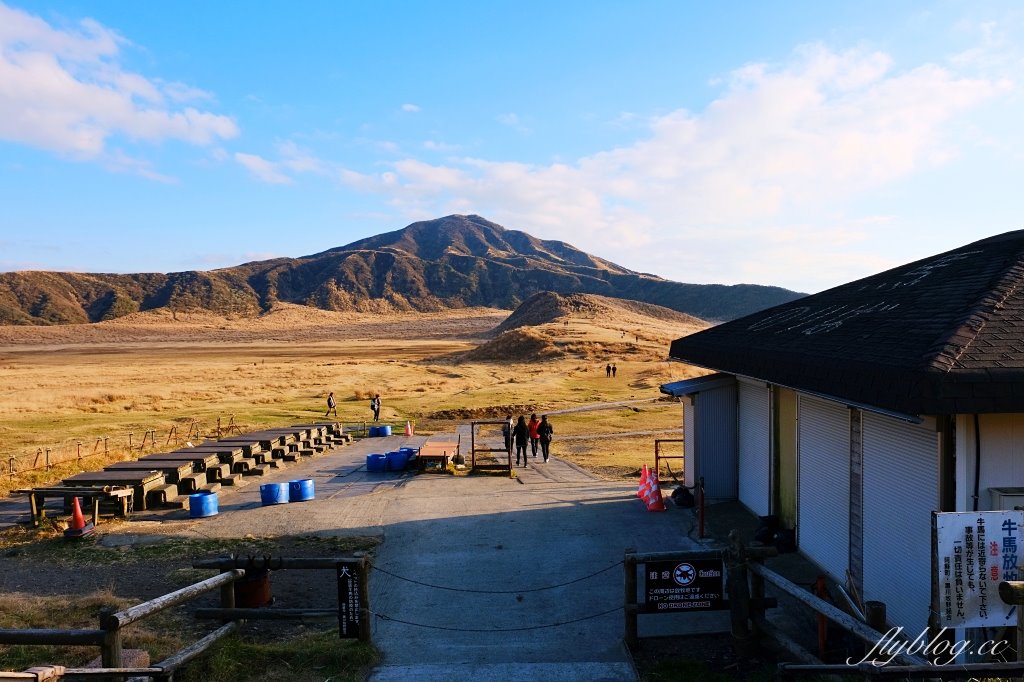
{"x":109,"y":639}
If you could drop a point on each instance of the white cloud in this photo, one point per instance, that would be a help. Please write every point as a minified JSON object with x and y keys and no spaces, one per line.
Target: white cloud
{"x":63,"y":89}
{"x":267,"y":171}
{"x":436,"y":146}
{"x":412,"y":108}
{"x":784,"y":148}
{"x":512,"y":121}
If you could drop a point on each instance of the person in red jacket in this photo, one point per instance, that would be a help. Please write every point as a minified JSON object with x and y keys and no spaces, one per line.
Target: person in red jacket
{"x":534,"y":426}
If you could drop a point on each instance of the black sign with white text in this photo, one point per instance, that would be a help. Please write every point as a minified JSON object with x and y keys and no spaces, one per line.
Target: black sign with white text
{"x":684,"y":585}
{"x":348,"y":601}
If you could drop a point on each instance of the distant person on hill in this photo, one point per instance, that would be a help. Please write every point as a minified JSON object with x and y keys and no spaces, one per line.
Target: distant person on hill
{"x":608,"y":370}
{"x":546,"y":431}
{"x":506,"y":432}
{"x":534,"y":434}
{"x":375,"y":406}
{"x":614,"y":370}
{"x":331,"y":405}
{"x":521,"y":434}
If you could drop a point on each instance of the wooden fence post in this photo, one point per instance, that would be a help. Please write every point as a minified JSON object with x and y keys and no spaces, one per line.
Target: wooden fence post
{"x":111,"y":648}
{"x":739,"y":594}
{"x":629,"y":597}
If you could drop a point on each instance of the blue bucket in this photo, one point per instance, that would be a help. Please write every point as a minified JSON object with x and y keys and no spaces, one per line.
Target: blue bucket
{"x":383,"y":431}
{"x":202,"y":504}
{"x":300,"y":490}
{"x":273,"y":493}
{"x":376,"y":463}
{"x":397,"y":460}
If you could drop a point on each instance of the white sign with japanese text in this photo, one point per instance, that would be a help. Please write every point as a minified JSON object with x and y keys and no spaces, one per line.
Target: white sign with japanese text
{"x":975,"y":552}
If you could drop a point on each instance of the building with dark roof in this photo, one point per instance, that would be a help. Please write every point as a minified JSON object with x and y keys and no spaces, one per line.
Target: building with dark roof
{"x":855,"y":413}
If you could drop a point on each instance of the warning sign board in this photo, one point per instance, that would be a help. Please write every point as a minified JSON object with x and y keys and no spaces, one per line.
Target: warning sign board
{"x":684,"y":585}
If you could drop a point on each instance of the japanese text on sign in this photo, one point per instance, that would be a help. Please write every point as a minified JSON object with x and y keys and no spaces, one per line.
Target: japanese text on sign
{"x":684,"y":584}
{"x":975,"y":551}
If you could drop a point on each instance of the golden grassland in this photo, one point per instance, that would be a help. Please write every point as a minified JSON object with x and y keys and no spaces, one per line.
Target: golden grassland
{"x":67,"y":388}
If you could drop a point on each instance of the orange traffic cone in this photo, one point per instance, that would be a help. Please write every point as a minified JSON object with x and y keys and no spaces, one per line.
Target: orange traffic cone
{"x":654,"y":500}
{"x":78,"y":528}
{"x":644,"y":474}
{"x":408,"y":428}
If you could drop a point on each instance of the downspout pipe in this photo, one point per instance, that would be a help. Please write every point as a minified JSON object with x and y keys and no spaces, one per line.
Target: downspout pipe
{"x":977,"y":459}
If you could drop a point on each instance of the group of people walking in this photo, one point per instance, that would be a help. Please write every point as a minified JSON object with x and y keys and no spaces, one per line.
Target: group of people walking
{"x":534,"y":432}
{"x":332,"y":406}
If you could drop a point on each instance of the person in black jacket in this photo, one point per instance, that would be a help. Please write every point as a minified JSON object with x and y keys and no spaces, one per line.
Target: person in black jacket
{"x":545,"y":432}
{"x":521,"y":435}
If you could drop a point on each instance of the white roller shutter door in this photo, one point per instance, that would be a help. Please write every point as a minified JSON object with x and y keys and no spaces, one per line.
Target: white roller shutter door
{"x":823,"y":504}
{"x":901,"y":489}
{"x":754,"y":446}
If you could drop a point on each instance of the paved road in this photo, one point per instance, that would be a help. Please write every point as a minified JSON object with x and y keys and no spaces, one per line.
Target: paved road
{"x":553,"y":524}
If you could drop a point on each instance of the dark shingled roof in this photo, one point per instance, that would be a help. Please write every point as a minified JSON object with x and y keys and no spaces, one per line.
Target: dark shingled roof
{"x":942,"y":335}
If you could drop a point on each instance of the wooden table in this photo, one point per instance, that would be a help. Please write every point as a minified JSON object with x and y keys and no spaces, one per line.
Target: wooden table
{"x":92,"y":494}
{"x":172,"y":470}
{"x":140,"y":481}
{"x":202,"y":460}
{"x":227,"y":453}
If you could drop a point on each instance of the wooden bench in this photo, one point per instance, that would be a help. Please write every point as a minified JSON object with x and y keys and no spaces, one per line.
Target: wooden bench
{"x":121,"y":496}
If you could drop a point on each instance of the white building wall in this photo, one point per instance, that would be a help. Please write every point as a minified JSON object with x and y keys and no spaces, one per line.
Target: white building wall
{"x":1002,"y":457}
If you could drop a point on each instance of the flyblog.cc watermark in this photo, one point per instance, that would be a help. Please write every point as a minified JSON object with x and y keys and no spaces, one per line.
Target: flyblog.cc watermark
{"x":940,"y":650}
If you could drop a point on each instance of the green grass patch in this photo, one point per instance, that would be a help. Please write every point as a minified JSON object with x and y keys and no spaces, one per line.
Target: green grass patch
{"x":49,"y":545}
{"x":311,"y":657}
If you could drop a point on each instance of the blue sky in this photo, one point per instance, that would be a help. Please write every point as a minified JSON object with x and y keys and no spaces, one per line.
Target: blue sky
{"x":802,"y":144}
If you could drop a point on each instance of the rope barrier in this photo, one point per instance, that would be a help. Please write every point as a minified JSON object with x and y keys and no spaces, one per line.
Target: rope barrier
{"x":470,"y":590}
{"x":522,"y":629}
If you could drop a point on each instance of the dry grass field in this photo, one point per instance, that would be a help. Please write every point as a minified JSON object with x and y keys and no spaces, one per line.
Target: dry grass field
{"x":66,"y":389}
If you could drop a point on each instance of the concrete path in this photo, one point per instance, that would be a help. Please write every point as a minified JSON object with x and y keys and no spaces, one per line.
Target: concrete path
{"x":477,"y":578}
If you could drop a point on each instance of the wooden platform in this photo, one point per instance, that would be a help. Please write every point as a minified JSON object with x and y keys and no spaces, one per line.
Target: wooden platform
{"x":438,"y":450}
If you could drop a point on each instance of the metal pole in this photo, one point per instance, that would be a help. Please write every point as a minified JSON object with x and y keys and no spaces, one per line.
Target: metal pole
{"x":365,"y":624}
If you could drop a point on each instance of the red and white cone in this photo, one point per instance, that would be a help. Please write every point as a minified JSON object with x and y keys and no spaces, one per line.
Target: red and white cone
{"x":408,"y":428}
{"x":644,"y":474}
{"x":654,"y":500}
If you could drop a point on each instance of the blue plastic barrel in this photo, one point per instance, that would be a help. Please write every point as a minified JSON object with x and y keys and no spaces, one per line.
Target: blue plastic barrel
{"x":274,"y":493}
{"x":410,"y":453}
{"x":202,"y":504}
{"x":376,"y":463}
{"x":373,"y":432}
{"x":397,"y":460}
{"x":383,"y":431}
{"x":300,"y":490}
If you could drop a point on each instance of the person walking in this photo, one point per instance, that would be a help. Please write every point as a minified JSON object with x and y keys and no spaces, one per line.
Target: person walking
{"x":375,"y":406}
{"x":521,"y":434}
{"x":534,"y":434}
{"x":332,"y":406}
{"x":546,"y":431}
{"x":608,"y":370}
{"x":614,"y":370}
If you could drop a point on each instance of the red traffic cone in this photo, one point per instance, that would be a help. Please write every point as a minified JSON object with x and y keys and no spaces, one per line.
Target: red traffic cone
{"x":408,"y":428}
{"x":78,"y":528}
{"x":655,"y":502}
{"x":644,"y":477}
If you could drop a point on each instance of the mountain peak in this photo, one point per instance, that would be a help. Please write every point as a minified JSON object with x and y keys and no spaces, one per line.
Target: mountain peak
{"x":450,"y":262}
